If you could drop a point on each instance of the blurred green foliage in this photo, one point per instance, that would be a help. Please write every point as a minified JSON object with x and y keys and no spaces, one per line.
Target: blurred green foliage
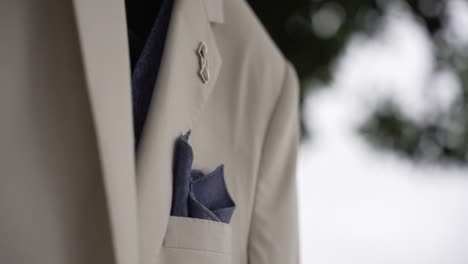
{"x":312,"y":33}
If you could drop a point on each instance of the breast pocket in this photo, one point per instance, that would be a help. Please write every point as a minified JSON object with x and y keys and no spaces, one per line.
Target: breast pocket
{"x":196,"y":241}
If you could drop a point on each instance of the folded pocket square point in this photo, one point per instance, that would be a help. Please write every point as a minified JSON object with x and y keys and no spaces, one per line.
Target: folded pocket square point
{"x":196,"y":194}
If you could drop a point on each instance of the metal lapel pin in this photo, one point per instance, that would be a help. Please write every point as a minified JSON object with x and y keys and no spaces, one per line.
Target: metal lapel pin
{"x":202,"y":52}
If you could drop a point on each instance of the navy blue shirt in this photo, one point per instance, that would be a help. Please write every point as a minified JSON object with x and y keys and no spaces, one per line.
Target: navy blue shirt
{"x":145,"y":65}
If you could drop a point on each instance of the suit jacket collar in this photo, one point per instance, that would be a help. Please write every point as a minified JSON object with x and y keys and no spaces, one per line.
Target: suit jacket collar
{"x":139,"y":196}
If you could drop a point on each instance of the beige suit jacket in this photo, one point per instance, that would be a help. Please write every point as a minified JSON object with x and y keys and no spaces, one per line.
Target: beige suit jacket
{"x":72,"y":189}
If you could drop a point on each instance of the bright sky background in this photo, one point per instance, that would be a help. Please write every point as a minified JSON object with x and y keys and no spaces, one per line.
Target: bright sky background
{"x":359,"y":205}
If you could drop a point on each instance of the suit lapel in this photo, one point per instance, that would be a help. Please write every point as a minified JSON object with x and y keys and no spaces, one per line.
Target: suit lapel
{"x":103,"y":40}
{"x":177,"y":101}
{"x":179,"y":97}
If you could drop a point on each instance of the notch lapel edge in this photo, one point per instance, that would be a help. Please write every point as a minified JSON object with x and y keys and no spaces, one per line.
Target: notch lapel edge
{"x":104,"y":49}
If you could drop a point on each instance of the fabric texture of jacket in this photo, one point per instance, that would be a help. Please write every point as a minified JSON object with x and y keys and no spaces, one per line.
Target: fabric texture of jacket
{"x":72,"y":188}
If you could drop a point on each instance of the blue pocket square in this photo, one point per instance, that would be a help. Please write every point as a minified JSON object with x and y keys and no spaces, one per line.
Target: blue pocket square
{"x":195,"y":194}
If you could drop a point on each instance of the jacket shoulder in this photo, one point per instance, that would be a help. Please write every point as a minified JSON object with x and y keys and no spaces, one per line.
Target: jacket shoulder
{"x":245,"y":44}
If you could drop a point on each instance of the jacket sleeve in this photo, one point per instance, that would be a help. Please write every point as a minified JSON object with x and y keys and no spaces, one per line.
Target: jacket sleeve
{"x":273,"y":234}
